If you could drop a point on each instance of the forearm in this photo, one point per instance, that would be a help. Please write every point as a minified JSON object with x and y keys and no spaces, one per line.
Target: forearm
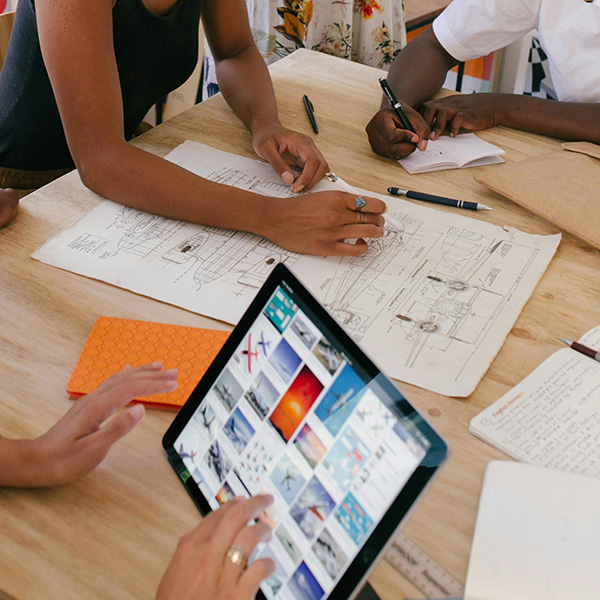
{"x":419,"y":70}
{"x":18,"y":463}
{"x":246,"y":85}
{"x":136,"y":178}
{"x":562,"y":120}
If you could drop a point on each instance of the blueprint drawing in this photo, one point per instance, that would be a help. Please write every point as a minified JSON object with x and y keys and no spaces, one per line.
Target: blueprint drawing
{"x":431,"y":302}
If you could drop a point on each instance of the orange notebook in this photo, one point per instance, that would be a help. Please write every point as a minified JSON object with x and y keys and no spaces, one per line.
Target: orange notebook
{"x":114,"y":343}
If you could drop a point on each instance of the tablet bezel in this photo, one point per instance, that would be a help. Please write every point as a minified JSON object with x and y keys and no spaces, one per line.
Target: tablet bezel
{"x":358,"y":569}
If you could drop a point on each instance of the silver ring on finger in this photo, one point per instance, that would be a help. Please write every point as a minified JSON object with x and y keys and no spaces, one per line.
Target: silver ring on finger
{"x":359,"y":203}
{"x":238,"y":556}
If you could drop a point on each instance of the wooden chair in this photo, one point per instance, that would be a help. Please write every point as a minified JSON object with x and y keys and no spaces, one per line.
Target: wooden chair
{"x":6,"y":25}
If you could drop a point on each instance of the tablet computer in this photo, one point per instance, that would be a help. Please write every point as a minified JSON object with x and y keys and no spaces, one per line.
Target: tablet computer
{"x":291,"y":406}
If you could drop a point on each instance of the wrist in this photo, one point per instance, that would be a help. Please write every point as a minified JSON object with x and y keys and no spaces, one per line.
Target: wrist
{"x":267,"y":216}
{"x":21,"y":463}
{"x":264,"y":123}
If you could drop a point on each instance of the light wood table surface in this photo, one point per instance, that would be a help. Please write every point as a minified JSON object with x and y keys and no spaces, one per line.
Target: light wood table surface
{"x":419,"y":12}
{"x":111,"y":535}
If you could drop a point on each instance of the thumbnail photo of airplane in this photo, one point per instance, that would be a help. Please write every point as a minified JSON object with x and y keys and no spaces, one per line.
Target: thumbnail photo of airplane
{"x":312,"y":508}
{"x":207,"y":421}
{"x":228,"y":390}
{"x":290,"y":546}
{"x":238,"y":430}
{"x":306,"y":335}
{"x":340,"y":400}
{"x":329,"y":357}
{"x":329,"y":552}
{"x":310,"y":446}
{"x":261,"y":395}
{"x":304,"y":585}
{"x":275,"y":581}
{"x":218,"y":463}
{"x":287,"y":478}
{"x":285,"y":361}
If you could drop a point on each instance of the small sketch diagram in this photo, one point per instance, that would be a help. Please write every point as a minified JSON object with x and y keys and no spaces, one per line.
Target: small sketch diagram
{"x":353,"y":292}
{"x":216,"y":254}
{"x":452,"y":302}
{"x":144,"y":232}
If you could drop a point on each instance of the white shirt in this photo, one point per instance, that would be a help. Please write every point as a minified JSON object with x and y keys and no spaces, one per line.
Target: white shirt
{"x":568,"y":30}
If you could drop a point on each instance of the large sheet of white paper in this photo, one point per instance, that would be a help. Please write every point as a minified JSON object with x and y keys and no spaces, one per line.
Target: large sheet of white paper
{"x":432,"y":303}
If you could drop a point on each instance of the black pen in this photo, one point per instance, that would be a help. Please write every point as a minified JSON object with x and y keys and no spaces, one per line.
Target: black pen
{"x":391,"y":98}
{"x":595,"y":354}
{"x":437,"y":199}
{"x":310,"y":111}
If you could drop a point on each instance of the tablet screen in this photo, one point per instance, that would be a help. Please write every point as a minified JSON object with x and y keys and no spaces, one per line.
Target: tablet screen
{"x":295,"y":413}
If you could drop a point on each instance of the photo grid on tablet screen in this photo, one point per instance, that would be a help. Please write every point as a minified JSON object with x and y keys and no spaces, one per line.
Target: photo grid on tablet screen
{"x":290,"y":416}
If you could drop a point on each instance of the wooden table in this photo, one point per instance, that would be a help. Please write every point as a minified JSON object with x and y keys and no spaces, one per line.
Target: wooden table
{"x":111,"y":535}
{"x":421,"y":12}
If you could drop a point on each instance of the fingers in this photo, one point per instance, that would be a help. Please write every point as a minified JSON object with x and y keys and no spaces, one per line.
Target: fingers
{"x":237,"y":517}
{"x":372,"y":205}
{"x":205,"y":530}
{"x":251,"y":578}
{"x":300,"y":150}
{"x":123,"y":387}
{"x":247,"y":539}
{"x":388,"y":137}
{"x":313,"y":171}
{"x":117,"y":428}
{"x":270,"y":153}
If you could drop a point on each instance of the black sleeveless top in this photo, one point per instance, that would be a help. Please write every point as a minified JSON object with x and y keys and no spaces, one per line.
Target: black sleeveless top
{"x":154,"y":56}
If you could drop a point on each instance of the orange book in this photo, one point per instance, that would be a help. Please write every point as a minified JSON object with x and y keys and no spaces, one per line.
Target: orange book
{"x":115,"y":343}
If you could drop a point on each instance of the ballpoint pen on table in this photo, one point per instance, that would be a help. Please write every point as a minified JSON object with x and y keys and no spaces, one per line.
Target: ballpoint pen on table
{"x":391,"y":98}
{"x":437,"y":199}
{"x":595,"y":354}
{"x":390,"y":221}
{"x":310,"y":111}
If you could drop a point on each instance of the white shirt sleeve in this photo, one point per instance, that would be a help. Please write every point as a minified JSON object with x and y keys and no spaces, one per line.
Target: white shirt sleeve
{"x":469,"y":29}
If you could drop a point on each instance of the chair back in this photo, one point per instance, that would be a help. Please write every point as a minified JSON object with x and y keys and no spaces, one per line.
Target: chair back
{"x":6,"y":25}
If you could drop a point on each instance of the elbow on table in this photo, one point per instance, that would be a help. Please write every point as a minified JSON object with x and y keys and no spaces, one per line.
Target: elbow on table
{"x":97,"y":170}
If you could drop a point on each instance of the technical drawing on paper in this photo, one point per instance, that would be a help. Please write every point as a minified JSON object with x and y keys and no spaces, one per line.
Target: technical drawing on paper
{"x":439,"y":293}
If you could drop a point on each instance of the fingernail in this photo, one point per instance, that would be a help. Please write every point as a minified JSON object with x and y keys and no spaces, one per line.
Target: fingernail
{"x":137,"y":411}
{"x":171,"y":385}
{"x":298,"y":188}
{"x":170,"y":372}
{"x":156,"y":364}
{"x":288,"y":177}
{"x":431,"y":135}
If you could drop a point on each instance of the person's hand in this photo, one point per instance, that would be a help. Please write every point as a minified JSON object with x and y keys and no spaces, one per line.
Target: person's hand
{"x":79,"y":441}
{"x":471,"y":112}
{"x":201,"y":568}
{"x":285,"y":149}
{"x":388,"y":137}
{"x":318,"y":223}
{"x":9,"y":204}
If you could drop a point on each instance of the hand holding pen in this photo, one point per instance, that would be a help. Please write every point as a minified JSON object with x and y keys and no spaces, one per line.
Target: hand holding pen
{"x":397,"y":131}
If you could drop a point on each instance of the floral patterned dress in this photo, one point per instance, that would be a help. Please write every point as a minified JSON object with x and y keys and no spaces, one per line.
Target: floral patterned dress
{"x":367,"y":31}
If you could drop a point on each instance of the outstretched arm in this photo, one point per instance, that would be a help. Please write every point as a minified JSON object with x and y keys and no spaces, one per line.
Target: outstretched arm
{"x":417,"y":75}
{"x":77,"y":47}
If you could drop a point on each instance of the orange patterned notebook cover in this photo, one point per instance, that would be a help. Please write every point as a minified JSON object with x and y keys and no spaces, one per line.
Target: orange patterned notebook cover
{"x":114,"y":343}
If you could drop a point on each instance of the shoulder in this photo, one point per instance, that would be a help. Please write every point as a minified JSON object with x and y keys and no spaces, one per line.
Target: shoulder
{"x":471,"y":28}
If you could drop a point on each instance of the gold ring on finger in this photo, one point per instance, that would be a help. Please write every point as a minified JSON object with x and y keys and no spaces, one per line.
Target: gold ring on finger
{"x":238,"y":556}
